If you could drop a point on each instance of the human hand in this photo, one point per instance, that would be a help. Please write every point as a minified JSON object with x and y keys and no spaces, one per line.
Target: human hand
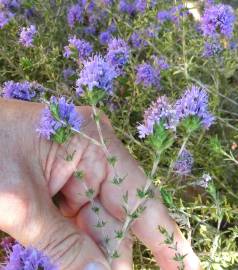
{"x":33,"y":170}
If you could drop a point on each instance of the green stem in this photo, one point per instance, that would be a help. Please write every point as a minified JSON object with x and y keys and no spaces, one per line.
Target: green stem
{"x":129,"y":219}
{"x":185,"y":141}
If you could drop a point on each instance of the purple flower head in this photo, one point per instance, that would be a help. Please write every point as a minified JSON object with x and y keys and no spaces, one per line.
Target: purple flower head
{"x":233,"y":45}
{"x":184,"y":164}
{"x":75,"y":14}
{"x":141,"y":5}
{"x":27,"y":35}
{"x":159,"y":112}
{"x":137,"y":41}
{"x":106,"y":2}
{"x":172,"y":14}
{"x":90,"y":30}
{"x":29,"y":258}
{"x":5,"y":17}
{"x":81,"y":47}
{"x":218,"y":19}
{"x":148,"y":76}
{"x":10,"y":4}
{"x":194,"y":102}
{"x":97,"y":72}
{"x":212,"y":48}
{"x":164,"y":16}
{"x":160,"y":62}
{"x":112,"y":27}
{"x":105,"y":37}
{"x":66,"y":116}
{"x":204,"y":181}
{"x":118,"y":54}
{"x":18,"y":90}
{"x":126,"y":7}
{"x":67,"y":73}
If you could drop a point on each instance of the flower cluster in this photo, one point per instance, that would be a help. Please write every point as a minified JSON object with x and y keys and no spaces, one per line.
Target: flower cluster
{"x":20,"y":258}
{"x":160,"y":62}
{"x":57,"y":120}
{"x":184,"y":164}
{"x":212,"y":48}
{"x":68,"y":73}
{"x":218,"y":20}
{"x":7,"y":8}
{"x":132,"y":7}
{"x":78,"y":48}
{"x":22,"y":90}
{"x":27,"y":35}
{"x":147,"y":75}
{"x":75,"y":14}
{"x":159,"y":112}
{"x":118,"y":54}
{"x":194,"y":102}
{"x":173,"y":15}
{"x":98,"y":73}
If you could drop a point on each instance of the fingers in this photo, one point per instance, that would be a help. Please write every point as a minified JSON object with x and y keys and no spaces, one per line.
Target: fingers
{"x":76,"y":191}
{"x":156,"y":214}
{"x":146,"y":229}
{"x":87,"y":220}
{"x":38,"y":223}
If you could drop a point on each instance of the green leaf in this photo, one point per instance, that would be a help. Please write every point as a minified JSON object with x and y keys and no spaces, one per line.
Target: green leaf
{"x":62,"y":135}
{"x":79,"y":175}
{"x":167,"y":197}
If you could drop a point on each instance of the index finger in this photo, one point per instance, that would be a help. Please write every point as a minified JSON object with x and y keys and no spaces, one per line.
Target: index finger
{"x":155,"y":214}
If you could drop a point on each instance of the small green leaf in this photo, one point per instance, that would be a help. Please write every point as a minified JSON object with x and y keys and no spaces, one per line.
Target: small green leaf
{"x":79,"y":175}
{"x":167,"y":197}
{"x":112,"y":160}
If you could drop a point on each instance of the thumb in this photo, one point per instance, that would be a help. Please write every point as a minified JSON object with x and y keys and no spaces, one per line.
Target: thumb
{"x":47,"y":230}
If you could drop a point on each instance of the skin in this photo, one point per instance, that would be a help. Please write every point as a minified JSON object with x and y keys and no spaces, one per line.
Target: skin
{"x":33,"y":170}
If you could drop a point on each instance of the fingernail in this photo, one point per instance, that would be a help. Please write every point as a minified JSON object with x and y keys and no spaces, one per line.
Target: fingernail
{"x":95,"y":266}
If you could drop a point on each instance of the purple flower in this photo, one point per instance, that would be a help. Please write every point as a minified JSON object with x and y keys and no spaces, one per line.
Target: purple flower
{"x":105,"y":37}
{"x":164,"y":16}
{"x":137,"y":41}
{"x":194,"y":102}
{"x":5,"y":17}
{"x":10,"y":4}
{"x":118,"y":54}
{"x":18,"y":90}
{"x":184,"y":164}
{"x":147,"y":75}
{"x":126,"y":7}
{"x":97,"y":72}
{"x":27,"y":35}
{"x":75,"y":14}
{"x":159,"y":112}
{"x":26,"y":258}
{"x":204,"y":181}
{"x":212,"y":48}
{"x":67,"y":116}
{"x":67,"y":73}
{"x":233,"y":45}
{"x":141,"y":5}
{"x":160,"y":62}
{"x":218,"y":19}
{"x":172,"y":14}
{"x":90,"y":30}
{"x":81,"y":47}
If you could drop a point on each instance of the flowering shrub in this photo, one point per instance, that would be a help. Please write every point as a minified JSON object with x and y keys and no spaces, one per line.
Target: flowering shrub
{"x":167,"y":81}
